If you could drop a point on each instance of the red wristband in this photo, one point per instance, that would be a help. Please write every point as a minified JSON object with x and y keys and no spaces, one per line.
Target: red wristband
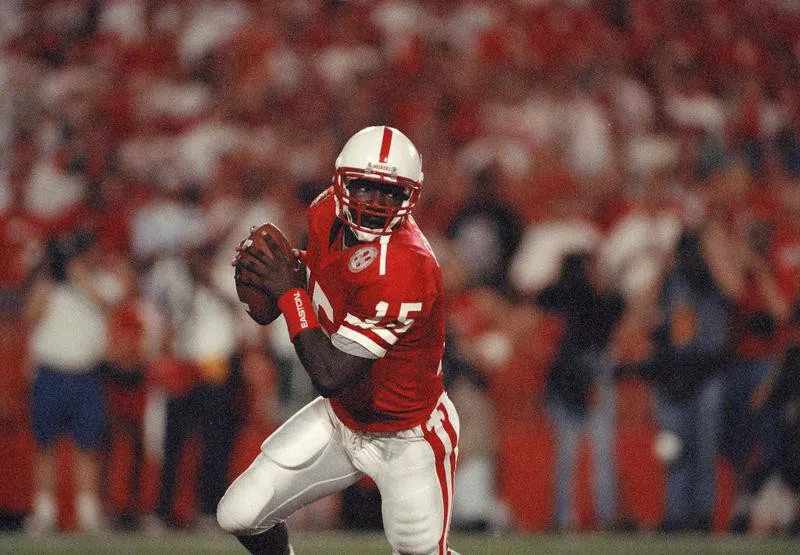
{"x":297,"y":309}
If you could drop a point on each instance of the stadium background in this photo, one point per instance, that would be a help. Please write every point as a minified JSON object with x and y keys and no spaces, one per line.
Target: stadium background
{"x":168,"y":127}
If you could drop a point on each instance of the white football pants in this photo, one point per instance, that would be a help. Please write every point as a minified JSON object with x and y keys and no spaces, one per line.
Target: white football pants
{"x":313,"y":454}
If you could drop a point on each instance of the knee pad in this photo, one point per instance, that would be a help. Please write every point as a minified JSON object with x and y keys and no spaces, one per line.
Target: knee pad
{"x":244,"y":508}
{"x":285,"y":465}
{"x":418,"y":535}
{"x":249,"y":504}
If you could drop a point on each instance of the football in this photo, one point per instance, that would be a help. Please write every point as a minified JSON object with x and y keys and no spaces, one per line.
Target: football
{"x":261,"y":307}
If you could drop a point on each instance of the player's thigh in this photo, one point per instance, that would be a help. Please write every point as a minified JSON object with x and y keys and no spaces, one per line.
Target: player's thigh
{"x":300,"y":462}
{"x":416,"y":498}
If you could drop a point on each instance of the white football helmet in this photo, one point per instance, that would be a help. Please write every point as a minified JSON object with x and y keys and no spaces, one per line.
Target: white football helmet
{"x":382,"y":154}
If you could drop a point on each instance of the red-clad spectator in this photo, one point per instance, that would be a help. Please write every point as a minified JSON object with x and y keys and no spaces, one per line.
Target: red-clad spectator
{"x":124,"y":383}
{"x":21,"y":250}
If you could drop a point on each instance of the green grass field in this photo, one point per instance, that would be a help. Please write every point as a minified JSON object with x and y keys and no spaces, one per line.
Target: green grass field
{"x":336,"y":543}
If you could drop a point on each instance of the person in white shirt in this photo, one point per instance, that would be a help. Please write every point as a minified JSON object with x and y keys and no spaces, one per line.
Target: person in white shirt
{"x":67,"y":311}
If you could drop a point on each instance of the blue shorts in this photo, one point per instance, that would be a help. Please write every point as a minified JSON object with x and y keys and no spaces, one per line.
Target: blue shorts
{"x":70,"y":404}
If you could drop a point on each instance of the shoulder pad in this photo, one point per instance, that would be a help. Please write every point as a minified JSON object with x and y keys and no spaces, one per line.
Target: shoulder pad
{"x":322,"y":196}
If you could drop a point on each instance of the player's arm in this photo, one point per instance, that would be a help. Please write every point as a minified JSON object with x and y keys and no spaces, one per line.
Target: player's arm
{"x":331,"y":369}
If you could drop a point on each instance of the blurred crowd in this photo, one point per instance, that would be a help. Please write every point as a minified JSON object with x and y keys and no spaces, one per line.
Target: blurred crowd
{"x":612,"y":188}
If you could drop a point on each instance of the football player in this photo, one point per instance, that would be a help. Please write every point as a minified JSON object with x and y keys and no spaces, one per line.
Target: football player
{"x":367,"y":321}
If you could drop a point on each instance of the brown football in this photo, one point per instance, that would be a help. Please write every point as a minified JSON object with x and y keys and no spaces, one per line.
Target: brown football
{"x":261,"y":307}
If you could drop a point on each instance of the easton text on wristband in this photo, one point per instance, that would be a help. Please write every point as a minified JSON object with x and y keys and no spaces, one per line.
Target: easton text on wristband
{"x":301,"y":311}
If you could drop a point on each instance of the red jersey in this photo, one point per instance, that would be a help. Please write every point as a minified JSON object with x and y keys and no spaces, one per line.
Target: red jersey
{"x":21,"y":248}
{"x":786,"y":262}
{"x":383,"y":300}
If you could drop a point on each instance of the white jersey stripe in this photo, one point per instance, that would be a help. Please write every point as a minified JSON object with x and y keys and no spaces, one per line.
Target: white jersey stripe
{"x":384,"y":241}
{"x":361,"y":339}
{"x":386,"y":335}
{"x":351,"y":347}
{"x":369,"y":325}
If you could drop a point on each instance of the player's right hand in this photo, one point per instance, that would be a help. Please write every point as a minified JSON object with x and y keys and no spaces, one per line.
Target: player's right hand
{"x":275,"y":272}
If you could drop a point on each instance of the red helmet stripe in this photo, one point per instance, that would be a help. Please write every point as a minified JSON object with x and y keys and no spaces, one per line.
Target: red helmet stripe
{"x":386,"y":144}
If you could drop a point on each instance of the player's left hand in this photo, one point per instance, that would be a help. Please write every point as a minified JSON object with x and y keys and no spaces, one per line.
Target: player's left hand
{"x":275,"y":272}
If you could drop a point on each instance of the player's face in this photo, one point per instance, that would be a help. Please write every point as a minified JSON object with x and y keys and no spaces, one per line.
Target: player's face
{"x":376,"y":193}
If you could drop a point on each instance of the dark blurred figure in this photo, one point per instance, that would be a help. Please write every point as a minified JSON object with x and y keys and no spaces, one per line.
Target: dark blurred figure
{"x":692,"y":350}
{"x":759,"y":316}
{"x":581,"y":390}
{"x":203,"y":376}
{"x":486,"y":232}
{"x":780,"y":396}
